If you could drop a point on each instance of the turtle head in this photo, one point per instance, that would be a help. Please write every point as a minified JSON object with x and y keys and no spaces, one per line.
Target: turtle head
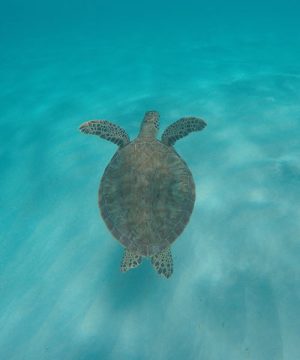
{"x":150,"y":124}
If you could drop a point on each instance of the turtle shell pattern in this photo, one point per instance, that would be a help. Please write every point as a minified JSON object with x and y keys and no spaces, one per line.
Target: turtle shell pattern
{"x":146,"y":196}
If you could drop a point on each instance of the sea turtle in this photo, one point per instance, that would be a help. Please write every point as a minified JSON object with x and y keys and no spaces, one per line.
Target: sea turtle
{"x":147,"y":192}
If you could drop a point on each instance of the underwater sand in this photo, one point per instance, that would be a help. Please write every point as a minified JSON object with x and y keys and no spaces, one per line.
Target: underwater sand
{"x":234,"y":293}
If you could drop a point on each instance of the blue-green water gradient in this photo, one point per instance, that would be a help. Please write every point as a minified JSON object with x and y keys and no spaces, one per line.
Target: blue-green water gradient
{"x":234,"y":294}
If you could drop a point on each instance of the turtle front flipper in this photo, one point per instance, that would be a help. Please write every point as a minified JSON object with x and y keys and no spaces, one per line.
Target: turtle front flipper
{"x":163,"y":263}
{"x":106,"y":130}
{"x":130,"y":260}
{"x":181,"y":128}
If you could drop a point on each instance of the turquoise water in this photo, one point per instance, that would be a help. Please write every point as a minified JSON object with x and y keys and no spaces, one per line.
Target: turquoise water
{"x":234,"y":294}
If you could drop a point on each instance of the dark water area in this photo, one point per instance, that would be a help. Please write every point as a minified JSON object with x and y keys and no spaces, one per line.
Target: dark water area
{"x":234,"y":293}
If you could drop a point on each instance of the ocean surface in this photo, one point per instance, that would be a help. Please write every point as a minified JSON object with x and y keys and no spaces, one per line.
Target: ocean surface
{"x":234,"y":293}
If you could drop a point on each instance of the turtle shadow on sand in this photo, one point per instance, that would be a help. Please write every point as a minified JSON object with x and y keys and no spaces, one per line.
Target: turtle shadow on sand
{"x":125,"y":291}
{"x":147,"y":192}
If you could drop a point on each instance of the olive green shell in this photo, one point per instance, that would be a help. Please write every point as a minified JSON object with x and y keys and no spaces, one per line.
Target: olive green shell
{"x":146,"y":196}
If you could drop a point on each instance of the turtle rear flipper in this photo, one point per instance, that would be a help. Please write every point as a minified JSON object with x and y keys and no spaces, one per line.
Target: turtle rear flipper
{"x":163,"y":263}
{"x":181,"y":128}
{"x":106,"y":130}
{"x":130,"y":260}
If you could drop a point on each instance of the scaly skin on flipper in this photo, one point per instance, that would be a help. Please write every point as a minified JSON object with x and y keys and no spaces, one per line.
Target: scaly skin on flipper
{"x":106,"y":130}
{"x":181,"y":128}
{"x":131,"y":259}
{"x":163,"y":263}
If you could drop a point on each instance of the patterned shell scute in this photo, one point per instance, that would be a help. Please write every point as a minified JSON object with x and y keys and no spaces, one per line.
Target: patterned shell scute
{"x":146,"y":196}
